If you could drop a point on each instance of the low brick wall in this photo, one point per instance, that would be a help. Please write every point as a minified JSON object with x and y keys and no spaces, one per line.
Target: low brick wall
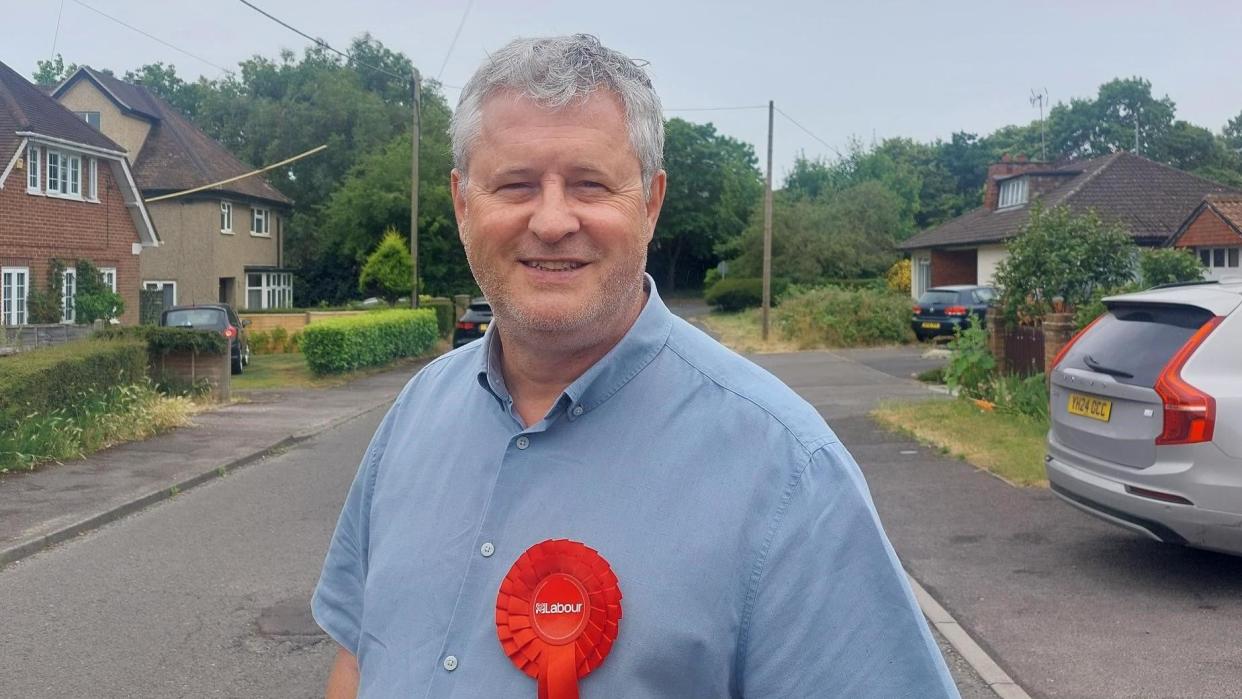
{"x":291,"y":322}
{"x":190,"y":367}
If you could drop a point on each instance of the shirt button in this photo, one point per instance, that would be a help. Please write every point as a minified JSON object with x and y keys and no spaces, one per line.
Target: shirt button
{"x":450,"y":662}
{"x":487,"y":549}
{"x":523,"y":442}
{"x":577,"y":410}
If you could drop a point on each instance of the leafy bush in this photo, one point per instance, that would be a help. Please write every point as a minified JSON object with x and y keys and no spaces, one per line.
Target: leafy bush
{"x":161,"y":340}
{"x":1062,"y":254}
{"x":93,"y":299}
{"x":737,"y":293}
{"x":834,"y":317}
{"x":344,"y":344}
{"x":280,"y":338}
{"x":260,"y":342}
{"x":1094,"y":308}
{"x":389,"y":270}
{"x":1020,"y":395}
{"x":44,"y":380}
{"x":1169,"y":266}
{"x":971,"y":365}
{"x":446,"y":313}
{"x":898,"y":276}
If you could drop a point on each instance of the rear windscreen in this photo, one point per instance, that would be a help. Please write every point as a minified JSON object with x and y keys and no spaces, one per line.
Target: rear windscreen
{"x":195,"y":318}
{"x":480,"y":308}
{"x":941,"y":298}
{"x":1136,"y":340}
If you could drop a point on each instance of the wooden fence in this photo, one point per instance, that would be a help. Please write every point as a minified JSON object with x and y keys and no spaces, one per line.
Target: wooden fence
{"x":1023,"y":349}
{"x":16,"y":338}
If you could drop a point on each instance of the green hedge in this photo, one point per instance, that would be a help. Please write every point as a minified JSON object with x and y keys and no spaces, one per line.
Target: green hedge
{"x":737,"y":293}
{"x":446,"y":313}
{"x":344,"y":344}
{"x":830,"y":316}
{"x":43,"y":380}
{"x":162,"y":340}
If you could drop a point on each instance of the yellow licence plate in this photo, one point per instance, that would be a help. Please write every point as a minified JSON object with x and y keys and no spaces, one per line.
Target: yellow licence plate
{"x":931,"y":326}
{"x":482,"y":327}
{"x":1086,"y":406}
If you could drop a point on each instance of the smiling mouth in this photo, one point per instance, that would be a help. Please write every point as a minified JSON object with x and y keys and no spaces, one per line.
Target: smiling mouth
{"x":553,"y":266}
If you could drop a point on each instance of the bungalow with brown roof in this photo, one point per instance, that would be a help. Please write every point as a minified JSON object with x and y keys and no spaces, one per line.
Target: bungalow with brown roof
{"x":221,"y":245}
{"x":67,"y":194}
{"x":1214,"y":232}
{"x":1149,"y":200}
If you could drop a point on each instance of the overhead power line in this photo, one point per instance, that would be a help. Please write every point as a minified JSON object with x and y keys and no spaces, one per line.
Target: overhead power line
{"x":319,"y":42}
{"x":717,"y":109}
{"x":152,"y":37}
{"x":809,"y":132}
{"x":453,"y":43}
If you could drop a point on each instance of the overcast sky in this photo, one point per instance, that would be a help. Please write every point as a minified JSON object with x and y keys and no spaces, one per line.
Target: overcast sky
{"x":860,"y":69}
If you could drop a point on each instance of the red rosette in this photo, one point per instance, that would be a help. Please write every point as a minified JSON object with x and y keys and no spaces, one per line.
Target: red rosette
{"x":557,"y":614}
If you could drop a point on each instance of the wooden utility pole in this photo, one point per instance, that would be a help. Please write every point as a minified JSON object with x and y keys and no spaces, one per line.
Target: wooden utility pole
{"x":767,"y":229}
{"x":415,"y":140}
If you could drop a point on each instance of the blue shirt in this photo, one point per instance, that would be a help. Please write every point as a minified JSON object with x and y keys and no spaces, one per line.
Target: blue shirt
{"x":749,"y":554}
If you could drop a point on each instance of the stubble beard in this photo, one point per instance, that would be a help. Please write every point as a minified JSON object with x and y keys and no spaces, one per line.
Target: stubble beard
{"x":582,"y":326}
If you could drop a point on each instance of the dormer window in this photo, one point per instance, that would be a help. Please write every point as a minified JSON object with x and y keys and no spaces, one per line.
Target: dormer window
{"x":1013,"y":192}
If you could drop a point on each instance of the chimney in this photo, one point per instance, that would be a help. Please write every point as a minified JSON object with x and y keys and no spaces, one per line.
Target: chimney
{"x":1005,"y":168}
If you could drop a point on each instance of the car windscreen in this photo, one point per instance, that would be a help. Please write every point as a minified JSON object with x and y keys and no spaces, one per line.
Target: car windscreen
{"x":984,"y":295}
{"x":939,"y":298}
{"x":1133,"y":343}
{"x":195,"y":318}
{"x":481,"y":308}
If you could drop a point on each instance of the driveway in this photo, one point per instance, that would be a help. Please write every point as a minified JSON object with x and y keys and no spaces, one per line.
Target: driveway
{"x":1068,"y":605}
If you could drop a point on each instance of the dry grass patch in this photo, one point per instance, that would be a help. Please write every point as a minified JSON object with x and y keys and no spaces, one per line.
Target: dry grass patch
{"x":1010,"y":446}
{"x":743,"y":332}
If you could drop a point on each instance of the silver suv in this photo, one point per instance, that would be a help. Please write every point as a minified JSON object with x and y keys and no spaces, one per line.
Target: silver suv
{"x":1147,"y":415}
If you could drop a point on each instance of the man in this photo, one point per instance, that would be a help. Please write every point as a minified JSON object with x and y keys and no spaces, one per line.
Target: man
{"x":743,"y":541}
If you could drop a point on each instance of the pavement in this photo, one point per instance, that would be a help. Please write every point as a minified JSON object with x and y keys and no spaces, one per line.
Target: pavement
{"x":44,"y":507}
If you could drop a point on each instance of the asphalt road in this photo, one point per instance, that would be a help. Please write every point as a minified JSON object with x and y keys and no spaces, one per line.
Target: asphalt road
{"x":1068,"y":605}
{"x":205,"y":595}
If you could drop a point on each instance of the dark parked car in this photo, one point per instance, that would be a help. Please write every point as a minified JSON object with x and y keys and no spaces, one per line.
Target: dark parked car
{"x":942,"y":309}
{"x":473,"y":323}
{"x":214,"y":317}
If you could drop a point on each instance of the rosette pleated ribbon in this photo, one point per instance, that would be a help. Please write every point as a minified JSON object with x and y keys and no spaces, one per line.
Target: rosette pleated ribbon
{"x":557,"y":614}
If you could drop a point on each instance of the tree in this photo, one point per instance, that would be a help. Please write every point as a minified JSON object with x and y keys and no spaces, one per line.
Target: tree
{"x":94,"y":299}
{"x":1060,"y":254}
{"x":53,"y":71}
{"x":1189,"y":147}
{"x":389,"y":271}
{"x":1086,"y":128}
{"x":713,"y":186}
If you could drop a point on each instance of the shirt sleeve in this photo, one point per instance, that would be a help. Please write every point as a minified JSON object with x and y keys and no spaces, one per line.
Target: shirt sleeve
{"x":337,"y":602}
{"x":831,"y":612}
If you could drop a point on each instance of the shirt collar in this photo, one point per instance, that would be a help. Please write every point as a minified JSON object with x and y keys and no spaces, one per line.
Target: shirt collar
{"x":641,"y":343}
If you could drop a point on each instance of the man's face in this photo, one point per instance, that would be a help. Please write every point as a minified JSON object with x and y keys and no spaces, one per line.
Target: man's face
{"x":553,"y":216}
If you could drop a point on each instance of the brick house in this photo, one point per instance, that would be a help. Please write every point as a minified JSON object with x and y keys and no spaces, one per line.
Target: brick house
{"x":1214,"y":232}
{"x":224,"y":244}
{"x":66,"y":193}
{"x":1149,"y":200}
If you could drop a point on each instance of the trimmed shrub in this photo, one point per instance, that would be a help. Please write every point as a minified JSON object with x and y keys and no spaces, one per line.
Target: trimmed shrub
{"x":738,"y":293}
{"x":446,"y":313}
{"x":161,"y":340}
{"x":45,"y":380}
{"x":344,"y":344}
{"x":260,"y":342}
{"x":830,"y":316}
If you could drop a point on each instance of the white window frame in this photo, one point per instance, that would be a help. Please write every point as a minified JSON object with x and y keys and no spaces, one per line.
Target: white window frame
{"x":68,"y":181}
{"x":1207,"y":257}
{"x":34,"y":169}
{"x":13,"y":310}
{"x":159,"y":284}
{"x":1013,"y":192}
{"x":922,"y":283}
{"x":275,"y":290}
{"x":68,"y":292}
{"x":109,"y":277}
{"x":258,"y":215}
{"x":226,"y":217}
{"x":92,"y":180}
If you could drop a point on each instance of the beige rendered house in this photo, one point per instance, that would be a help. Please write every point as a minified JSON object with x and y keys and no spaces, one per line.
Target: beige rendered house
{"x":220,"y":245}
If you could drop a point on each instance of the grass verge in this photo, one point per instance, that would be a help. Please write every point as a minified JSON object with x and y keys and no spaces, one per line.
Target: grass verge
{"x":742,"y":332}
{"x":1010,"y":446}
{"x":96,"y":421}
{"x":268,"y":372}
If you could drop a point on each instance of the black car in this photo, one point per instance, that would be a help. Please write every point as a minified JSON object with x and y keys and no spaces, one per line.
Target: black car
{"x":473,"y":323}
{"x":942,"y":309}
{"x":214,"y":317}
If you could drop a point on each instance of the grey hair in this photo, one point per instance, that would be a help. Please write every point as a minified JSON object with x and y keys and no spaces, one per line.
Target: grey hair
{"x":558,"y":71}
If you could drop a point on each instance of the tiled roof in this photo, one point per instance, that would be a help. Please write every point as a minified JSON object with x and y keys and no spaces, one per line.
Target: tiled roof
{"x":23,"y":107}
{"x":1229,"y":207}
{"x":177,"y":155}
{"x":1146,"y":198}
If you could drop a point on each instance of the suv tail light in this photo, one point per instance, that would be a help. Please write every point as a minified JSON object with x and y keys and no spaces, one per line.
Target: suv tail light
{"x":465,"y":326}
{"x":230,"y":332}
{"x":1065,"y":350}
{"x":1189,"y":413}
{"x":956,"y":311}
